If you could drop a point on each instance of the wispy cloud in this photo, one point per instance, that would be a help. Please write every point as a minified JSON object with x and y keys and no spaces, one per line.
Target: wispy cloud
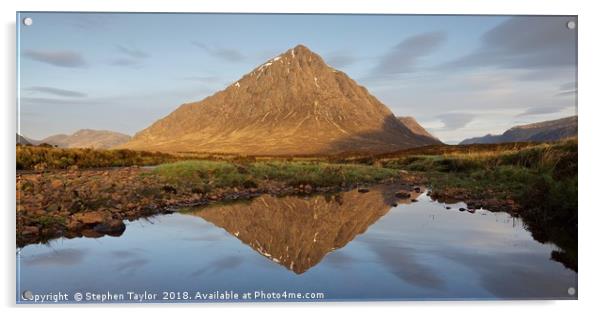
{"x":125,"y":62}
{"x":219,"y":265}
{"x":57,"y":92}
{"x":567,"y":89}
{"x":454,"y":121}
{"x":566,"y":93}
{"x":133,"y":57}
{"x":58,"y":257}
{"x":133,"y":52}
{"x":542,"y":110}
{"x":404,"y":57}
{"x":568,"y":86}
{"x":204,"y":79}
{"x":539,"y":110}
{"x":228,"y":54}
{"x":92,"y":21}
{"x":62,"y":58}
{"x":525,"y":42}
{"x":32,"y":101}
{"x":340,"y":59}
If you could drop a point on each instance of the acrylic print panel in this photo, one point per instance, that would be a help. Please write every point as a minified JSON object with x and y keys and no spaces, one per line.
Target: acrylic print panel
{"x":273,"y":157}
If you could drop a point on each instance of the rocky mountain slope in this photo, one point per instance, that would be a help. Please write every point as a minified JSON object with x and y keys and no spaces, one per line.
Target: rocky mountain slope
{"x":87,"y":138}
{"x":536,"y":132}
{"x":298,"y":233}
{"x":294,"y":104}
{"x":416,"y":128}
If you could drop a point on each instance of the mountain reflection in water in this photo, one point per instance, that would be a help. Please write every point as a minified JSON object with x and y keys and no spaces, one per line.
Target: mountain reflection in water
{"x":298,"y":232}
{"x":350,"y":246}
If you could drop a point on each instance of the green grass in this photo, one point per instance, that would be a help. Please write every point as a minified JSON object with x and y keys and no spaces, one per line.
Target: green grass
{"x":542,"y":178}
{"x":206,"y":175}
{"x":46,"y":221}
{"x":556,"y":157}
{"x":539,"y":176}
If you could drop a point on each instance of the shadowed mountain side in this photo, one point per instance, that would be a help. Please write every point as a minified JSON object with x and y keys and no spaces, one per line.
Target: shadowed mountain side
{"x":293,"y":104}
{"x":536,"y":132}
{"x":383,"y":140}
{"x":298,"y":232}
{"x":23,"y":140}
{"x":416,"y":128}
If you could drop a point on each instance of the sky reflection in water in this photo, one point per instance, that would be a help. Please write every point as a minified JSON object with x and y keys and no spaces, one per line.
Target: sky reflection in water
{"x":351,"y":246}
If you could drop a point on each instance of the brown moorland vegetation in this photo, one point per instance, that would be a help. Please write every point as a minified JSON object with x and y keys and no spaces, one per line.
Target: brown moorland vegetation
{"x":537,"y":181}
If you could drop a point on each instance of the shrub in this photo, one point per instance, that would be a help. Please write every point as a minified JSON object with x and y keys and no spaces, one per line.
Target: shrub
{"x":32,"y":157}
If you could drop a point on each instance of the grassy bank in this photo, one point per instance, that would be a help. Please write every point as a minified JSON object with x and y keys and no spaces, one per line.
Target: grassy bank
{"x":95,"y":202}
{"x":40,"y":158}
{"x":541,"y":178}
{"x":206,"y":175}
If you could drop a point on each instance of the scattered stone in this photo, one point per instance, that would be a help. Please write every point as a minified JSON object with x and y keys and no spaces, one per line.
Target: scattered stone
{"x":91,"y":233}
{"x":56,"y":183}
{"x":448,"y":207}
{"x":90,"y":218}
{"x":196,"y":190}
{"x":73,"y":225}
{"x":30,"y":230}
{"x":403,"y":195}
{"x":417,"y":189}
{"x":413,"y":200}
{"x":95,"y":202}
{"x":169,"y":189}
{"x":462,"y":209}
{"x":112,"y":227}
{"x":52,"y":207}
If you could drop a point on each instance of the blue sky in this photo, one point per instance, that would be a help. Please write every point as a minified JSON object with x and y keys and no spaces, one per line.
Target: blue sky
{"x":460,"y":76}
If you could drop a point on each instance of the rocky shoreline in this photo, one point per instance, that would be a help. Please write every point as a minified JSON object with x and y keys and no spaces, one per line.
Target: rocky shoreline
{"x":93,"y":203}
{"x":96,"y":202}
{"x":473,"y":202}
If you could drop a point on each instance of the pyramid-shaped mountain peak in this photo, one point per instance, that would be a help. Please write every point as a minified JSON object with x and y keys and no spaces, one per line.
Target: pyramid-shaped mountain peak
{"x":293,"y":104}
{"x":302,"y":52}
{"x":292,"y":61}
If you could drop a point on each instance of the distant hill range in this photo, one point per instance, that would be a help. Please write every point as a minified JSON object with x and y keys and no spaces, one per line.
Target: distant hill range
{"x":83,"y":138}
{"x":293,"y":104}
{"x":535,"y":132}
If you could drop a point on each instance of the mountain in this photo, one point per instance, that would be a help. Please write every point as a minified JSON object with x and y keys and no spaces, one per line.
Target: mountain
{"x":536,"y":132}
{"x":416,"y":128}
{"x":293,"y":104}
{"x":87,"y":138}
{"x":23,"y":140}
{"x":298,"y":233}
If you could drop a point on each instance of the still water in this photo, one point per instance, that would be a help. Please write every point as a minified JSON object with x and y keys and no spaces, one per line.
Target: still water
{"x":349,"y":246}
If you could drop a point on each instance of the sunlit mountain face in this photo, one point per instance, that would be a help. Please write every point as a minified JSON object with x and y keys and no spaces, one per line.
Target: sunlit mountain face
{"x":298,"y":232}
